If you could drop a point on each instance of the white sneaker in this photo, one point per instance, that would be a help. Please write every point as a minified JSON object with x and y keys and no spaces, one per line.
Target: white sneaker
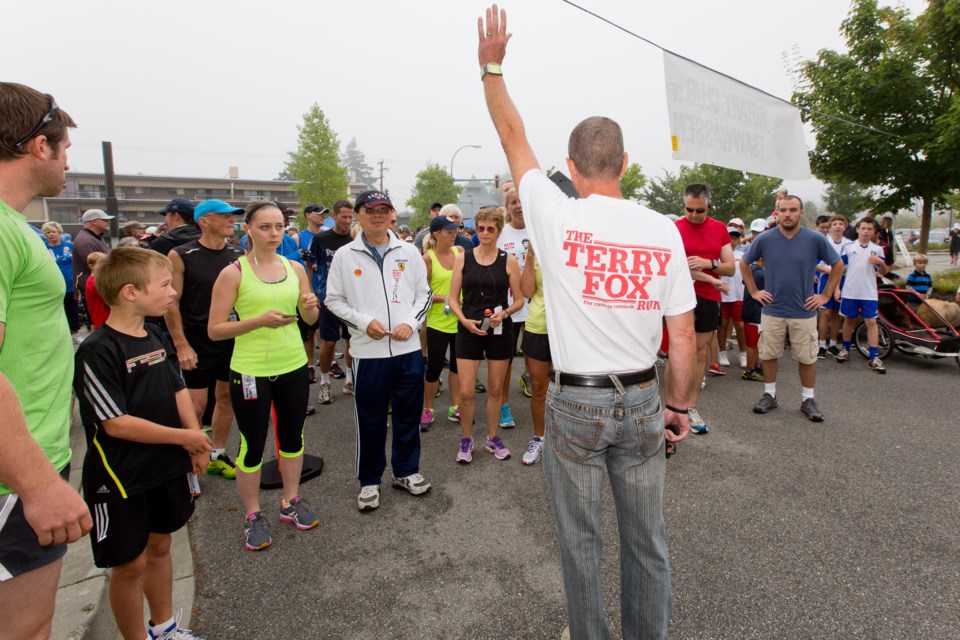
{"x":534,"y":451}
{"x":324,"y":396}
{"x":723,"y":359}
{"x":697,"y":425}
{"x":348,"y":388}
{"x":416,"y":484}
{"x":743,"y":359}
{"x":369,"y":498}
{"x":77,"y":339}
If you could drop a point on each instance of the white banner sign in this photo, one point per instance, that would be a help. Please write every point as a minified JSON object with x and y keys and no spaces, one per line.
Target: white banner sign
{"x":717,"y":120}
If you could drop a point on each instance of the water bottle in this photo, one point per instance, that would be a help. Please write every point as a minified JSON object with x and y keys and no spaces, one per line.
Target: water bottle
{"x":485,"y":325}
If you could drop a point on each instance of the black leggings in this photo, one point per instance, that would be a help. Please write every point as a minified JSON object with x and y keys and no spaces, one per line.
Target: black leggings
{"x":287,"y":394}
{"x":437,"y":343}
{"x":72,"y":311}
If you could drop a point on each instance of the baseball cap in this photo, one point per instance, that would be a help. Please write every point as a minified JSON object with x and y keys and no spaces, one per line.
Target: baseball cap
{"x":95,"y":214}
{"x":151,"y":230}
{"x":441,"y":223}
{"x":737,"y":221}
{"x":403,"y":229}
{"x":758,"y":225}
{"x":436,"y":205}
{"x":133,"y":224}
{"x":315,"y":208}
{"x":732,"y":230}
{"x":214,"y":206}
{"x":178,"y":205}
{"x":372,"y":199}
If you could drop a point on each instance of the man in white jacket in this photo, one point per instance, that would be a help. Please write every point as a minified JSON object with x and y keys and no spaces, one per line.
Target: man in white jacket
{"x":378,"y":287}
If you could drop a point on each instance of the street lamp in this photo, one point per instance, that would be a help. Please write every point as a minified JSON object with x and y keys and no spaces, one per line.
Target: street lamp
{"x":466,"y":146}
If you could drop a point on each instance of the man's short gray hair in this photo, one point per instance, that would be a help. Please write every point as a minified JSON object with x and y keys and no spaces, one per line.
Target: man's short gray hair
{"x":596,"y":148}
{"x":698,"y":190}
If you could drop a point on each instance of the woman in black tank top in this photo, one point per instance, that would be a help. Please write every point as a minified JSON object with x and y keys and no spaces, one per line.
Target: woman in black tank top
{"x":484,"y":276}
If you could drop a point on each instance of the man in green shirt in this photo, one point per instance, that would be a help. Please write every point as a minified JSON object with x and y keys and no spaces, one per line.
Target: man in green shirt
{"x":39,"y":511}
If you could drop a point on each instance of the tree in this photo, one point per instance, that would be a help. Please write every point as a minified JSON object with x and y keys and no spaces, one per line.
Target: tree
{"x":354,"y":160}
{"x":847,"y":198}
{"x":733,"y":193}
{"x":434,"y":184}
{"x":285,"y":175}
{"x":316,"y":162}
{"x":664,"y":195}
{"x":895,"y":78}
{"x":632,"y":182}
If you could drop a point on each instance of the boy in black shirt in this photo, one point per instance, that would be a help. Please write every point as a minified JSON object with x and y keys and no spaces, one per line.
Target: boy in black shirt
{"x":143,"y":438}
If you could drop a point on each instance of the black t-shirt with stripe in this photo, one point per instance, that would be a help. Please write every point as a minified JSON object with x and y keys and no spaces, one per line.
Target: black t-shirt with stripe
{"x":118,"y":374}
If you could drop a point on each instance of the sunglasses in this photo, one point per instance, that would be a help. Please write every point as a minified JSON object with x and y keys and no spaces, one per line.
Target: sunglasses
{"x":47,"y":119}
{"x":692,"y":210}
{"x":491,"y":229}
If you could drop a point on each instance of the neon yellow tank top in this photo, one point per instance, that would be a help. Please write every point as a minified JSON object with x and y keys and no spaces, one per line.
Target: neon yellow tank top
{"x":267,"y":351}
{"x":536,"y":311}
{"x":440,"y":278}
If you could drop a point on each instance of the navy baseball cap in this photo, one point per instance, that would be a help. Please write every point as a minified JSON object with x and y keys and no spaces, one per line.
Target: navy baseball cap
{"x":371,"y":199}
{"x":442,"y":223}
{"x":214,"y":206}
{"x":178,"y":205}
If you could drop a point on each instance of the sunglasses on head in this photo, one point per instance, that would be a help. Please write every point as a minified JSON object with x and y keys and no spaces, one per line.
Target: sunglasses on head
{"x":692,"y":210}
{"x":483,"y":229}
{"x":47,"y":119}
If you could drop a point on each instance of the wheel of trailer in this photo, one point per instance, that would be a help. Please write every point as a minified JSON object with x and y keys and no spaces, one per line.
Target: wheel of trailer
{"x":885,"y":343}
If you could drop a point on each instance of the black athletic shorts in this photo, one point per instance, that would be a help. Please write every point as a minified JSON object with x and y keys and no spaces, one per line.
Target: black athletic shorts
{"x":706,"y":317}
{"x":536,"y":346}
{"x":121,"y":528}
{"x":304,"y":327}
{"x":20,"y":551}
{"x":213,"y":358}
{"x":470,"y":346}
{"x":332,"y":328}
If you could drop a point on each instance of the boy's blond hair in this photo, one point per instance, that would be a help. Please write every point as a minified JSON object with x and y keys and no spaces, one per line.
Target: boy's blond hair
{"x":127,"y":265}
{"x":921,"y":257}
{"x":93,"y":258}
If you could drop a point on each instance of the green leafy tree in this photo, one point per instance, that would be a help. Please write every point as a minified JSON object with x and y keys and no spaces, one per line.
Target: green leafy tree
{"x":434,"y":184}
{"x":316,"y":162}
{"x":847,"y":198}
{"x":354,"y":160}
{"x":632,"y":182}
{"x":898,"y":79}
{"x":664,"y":194}
{"x":734,"y":193}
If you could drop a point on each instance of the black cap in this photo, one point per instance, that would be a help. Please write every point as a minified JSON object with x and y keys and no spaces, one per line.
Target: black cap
{"x":315,"y":208}
{"x":372,"y":199}
{"x":436,"y":205}
{"x":178,"y":205}
{"x":442,"y":222}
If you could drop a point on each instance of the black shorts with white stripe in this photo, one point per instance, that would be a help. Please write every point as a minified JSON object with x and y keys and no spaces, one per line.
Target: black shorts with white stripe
{"x":20,"y":551}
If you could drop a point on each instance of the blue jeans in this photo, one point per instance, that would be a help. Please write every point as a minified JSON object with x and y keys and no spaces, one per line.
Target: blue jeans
{"x":589,"y":431}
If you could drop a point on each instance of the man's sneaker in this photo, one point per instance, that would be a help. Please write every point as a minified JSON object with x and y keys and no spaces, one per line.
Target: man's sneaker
{"x":337,"y":355}
{"x":843,"y":355}
{"x":697,"y":425}
{"x":525,"y":384}
{"x":415,"y":484}
{"x":743,"y":359}
{"x":810,"y":409}
{"x":766,"y":403}
{"x":324,"y":396}
{"x":496,"y":447}
{"x":534,"y":451}
{"x":723,"y":359}
{"x":222,"y":466}
{"x":877,"y":365}
{"x":453,"y":414}
{"x":426,"y":420}
{"x":439,"y":389}
{"x":311,"y":374}
{"x":299,"y":514}
{"x":348,"y":388}
{"x":822,"y":353}
{"x":832,"y":350}
{"x":336,"y":372}
{"x":465,"y":454}
{"x":717,"y":370}
{"x":369,"y":498}
{"x":255,"y":530}
{"x":173,"y":632}
{"x":506,"y":418}
{"x":480,"y":387}
{"x":752,"y":375}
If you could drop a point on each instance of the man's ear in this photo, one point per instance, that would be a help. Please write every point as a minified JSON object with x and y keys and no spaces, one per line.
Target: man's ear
{"x":626,"y":163}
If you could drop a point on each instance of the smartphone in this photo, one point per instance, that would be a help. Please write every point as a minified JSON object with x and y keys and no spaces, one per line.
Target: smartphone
{"x":289,"y":315}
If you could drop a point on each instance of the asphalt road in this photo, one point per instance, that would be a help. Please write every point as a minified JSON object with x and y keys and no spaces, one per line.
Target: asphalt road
{"x":778,"y":527}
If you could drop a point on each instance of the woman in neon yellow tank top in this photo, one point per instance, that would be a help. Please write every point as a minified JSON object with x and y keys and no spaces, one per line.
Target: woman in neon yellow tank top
{"x":269,"y":367}
{"x":439,"y":256}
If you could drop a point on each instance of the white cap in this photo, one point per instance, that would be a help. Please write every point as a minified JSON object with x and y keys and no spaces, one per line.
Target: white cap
{"x":759,"y":225}
{"x":737,"y":221}
{"x":95,"y":214}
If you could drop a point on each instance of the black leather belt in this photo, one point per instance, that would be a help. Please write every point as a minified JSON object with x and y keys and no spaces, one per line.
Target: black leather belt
{"x":604,"y":380}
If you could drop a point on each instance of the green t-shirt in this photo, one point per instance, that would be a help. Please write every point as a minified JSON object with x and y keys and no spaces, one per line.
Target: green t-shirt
{"x":37,"y":353}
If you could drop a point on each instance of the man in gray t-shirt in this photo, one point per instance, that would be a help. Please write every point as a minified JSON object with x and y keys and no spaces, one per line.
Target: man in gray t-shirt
{"x":790,"y":254}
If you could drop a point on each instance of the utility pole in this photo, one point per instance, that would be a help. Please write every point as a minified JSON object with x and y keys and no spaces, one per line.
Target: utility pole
{"x":382,"y":171}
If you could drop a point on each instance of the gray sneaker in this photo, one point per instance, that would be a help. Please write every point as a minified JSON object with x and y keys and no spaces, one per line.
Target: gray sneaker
{"x":697,"y":425}
{"x":369,"y":498}
{"x":255,"y":529}
{"x":766,"y":403}
{"x":299,"y":514}
{"x":324,"y":395}
{"x":810,"y":409}
{"x":416,"y":484}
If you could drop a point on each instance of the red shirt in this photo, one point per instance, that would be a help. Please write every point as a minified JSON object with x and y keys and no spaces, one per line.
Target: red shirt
{"x":97,"y":309}
{"x":704,"y":241}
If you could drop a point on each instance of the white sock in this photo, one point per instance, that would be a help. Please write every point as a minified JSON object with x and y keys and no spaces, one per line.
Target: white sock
{"x":771,"y":388}
{"x":159,"y":629}
{"x":833,"y":343}
{"x":349,"y":378}
{"x":215,"y":453}
{"x":806,"y":393}
{"x":823,"y":344}
{"x":324,"y":378}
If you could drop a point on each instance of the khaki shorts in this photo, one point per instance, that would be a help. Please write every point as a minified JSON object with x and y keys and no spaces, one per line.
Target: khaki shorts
{"x":803,"y":338}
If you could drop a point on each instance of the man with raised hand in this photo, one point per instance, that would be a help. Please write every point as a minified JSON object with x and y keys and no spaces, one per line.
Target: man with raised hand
{"x":612,"y":272}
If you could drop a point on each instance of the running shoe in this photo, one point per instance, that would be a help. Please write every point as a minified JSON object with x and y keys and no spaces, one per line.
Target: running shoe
{"x":439,"y":389}
{"x":324,"y":396}
{"x":255,"y":530}
{"x":369,"y":498}
{"x":446,"y":363}
{"x":416,"y":484}
{"x":717,"y":370}
{"x":766,"y":403}
{"x":465,"y":454}
{"x":336,"y":371}
{"x":222,"y":466}
{"x":174,"y":632}
{"x":534,"y":452}
{"x":506,"y":418}
{"x":832,"y":350}
{"x":843,"y":355}
{"x":311,"y":409}
{"x":337,"y":355}
{"x":810,"y":409}
{"x":697,"y":425}
{"x":822,"y":353}
{"x":743,"y":359}
{"x":299,"y":514}
{"x":453,"y":414}
{"x":311,"y":374}
{"x":348,"y":388}
{"x":497,"y":448}
{"x":877,"y":365}
{"x":751,"y":374}
{"x":723,"y":359}
{"x":480,"y":387}
{"x":525,"y":384}
{"x":426,"y":420}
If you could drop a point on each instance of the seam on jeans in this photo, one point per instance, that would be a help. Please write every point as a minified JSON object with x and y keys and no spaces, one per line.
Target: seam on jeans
{"x":645,"y":436}
{"x":587,"y":444}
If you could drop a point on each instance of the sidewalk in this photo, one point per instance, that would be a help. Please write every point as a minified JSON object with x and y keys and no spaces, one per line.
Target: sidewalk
{"x":83,"y":606}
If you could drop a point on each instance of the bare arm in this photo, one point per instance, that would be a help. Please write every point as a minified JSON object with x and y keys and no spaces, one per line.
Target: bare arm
{"x":456,"y":284}
{"x":513,"y":273}
{"x":224,"y":297}
{"x":683,"y":360}
{"x":185,"y":353}
{"x":308,"y":305}
{"x":763,"y":297}
{"x":528,"y":279}
{"x":818,"y":300}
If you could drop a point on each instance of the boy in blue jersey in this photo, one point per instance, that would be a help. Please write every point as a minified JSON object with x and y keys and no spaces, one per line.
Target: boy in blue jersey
{"x":920,"y":281}
{"x":143,"y":438}
{"x":863,"y":261}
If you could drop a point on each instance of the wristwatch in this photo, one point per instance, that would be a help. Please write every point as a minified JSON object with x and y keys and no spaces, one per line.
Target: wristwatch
{"x":490,"y":67}
{"x":714,"y":264}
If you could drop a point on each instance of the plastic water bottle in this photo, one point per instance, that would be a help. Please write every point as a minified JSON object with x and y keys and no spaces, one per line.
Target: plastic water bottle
{"x":485,"y":325}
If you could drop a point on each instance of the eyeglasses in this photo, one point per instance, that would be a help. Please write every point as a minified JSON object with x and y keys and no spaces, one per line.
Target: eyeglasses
{"x":380,"y":210}
{"x":491,"y":229}
{"x":47,"y":119}
{"x":692,"y":210}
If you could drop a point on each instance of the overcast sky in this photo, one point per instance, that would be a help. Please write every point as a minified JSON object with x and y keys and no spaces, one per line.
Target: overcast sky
{"x":191,"y":88}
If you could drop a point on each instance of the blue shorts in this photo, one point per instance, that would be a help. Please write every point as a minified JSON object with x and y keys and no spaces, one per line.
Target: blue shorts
{"x":851,"y":308}
{"x":832,"y":304}
{"x":332,"y":327}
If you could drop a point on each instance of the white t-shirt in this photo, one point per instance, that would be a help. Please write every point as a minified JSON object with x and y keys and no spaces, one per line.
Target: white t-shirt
{"x":611,"y":270}
{"x":735,"y":281}
{"x":515,"y":242}
{"x":860,"y":277}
